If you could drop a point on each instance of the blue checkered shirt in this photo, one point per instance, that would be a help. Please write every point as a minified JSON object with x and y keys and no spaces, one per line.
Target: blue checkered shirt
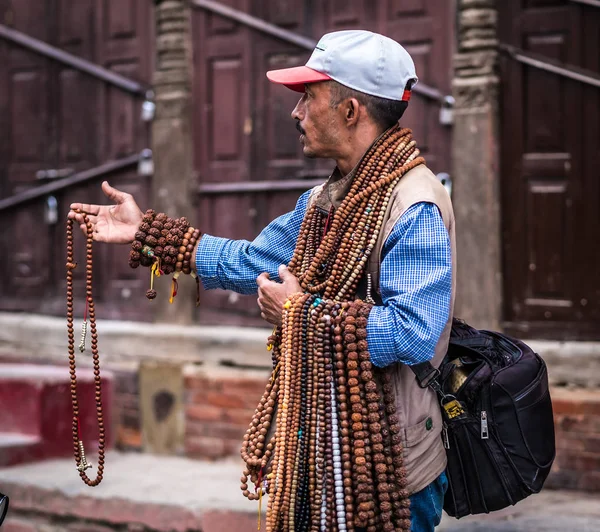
{"x":415,"y":277}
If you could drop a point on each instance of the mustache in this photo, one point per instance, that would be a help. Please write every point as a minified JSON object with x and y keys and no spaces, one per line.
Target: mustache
{"x":300,"y":128}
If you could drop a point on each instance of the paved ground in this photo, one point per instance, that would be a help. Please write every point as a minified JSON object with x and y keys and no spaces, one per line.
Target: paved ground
{"x":178,"y":491}
{"x":549,"y":511}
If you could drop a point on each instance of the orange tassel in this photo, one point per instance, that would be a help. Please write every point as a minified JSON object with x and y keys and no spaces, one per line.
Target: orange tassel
{"x":174,"y":287}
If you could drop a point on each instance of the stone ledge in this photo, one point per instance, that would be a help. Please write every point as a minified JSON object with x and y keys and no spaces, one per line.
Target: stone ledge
{"x":125,"y":344}
{"x":159,"y":493}
{"x":570,"y":363}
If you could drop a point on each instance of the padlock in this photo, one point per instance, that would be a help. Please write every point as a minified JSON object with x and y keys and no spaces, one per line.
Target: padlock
{"x":51,"y":210}
{"x":148,"y":107}
{"x":447,"y":111}
{"x":146,"y":163}
{"x":453,"y":409}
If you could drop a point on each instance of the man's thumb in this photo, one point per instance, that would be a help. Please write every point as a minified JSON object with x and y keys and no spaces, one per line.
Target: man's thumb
{"x":285,"y":274}
{"x":113,"y":194}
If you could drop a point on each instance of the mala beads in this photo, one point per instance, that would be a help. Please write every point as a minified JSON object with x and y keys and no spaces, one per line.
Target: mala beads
{"x":336,"y":420}
{"x":336,"y":266}
{"x":78,"y":448}
{"x":165,"y":245}
{"x":334,"y":460}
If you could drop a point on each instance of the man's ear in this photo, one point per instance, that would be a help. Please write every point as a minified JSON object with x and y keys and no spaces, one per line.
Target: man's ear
{"x":352,"y":109}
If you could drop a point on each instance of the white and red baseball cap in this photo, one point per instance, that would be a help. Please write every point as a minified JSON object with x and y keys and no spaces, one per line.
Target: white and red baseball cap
{"x":359,"y":59}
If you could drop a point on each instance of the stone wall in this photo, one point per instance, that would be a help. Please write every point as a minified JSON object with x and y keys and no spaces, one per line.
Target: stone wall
{"x":173,"y":181}
{"x":475,"y":172}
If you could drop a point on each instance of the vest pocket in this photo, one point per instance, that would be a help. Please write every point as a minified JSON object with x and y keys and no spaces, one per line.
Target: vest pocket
{"x":417,"y":433}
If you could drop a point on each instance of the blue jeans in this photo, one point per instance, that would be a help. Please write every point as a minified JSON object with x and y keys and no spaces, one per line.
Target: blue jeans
{"x":426,"y":506}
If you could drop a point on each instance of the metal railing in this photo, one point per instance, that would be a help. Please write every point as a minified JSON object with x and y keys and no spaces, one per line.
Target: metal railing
{"x":75,"y":179}
{"x":245,"y":187}
{"x":83,"y":65}
{"x":291,"y":37}
{"x":594,"y":3}
{"x":543,"y":63}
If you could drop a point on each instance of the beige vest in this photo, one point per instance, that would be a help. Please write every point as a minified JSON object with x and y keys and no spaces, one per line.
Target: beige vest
{"x":418,"y":409}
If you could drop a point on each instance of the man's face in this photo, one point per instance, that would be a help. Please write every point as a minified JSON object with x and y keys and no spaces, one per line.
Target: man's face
{"x":320,"y":125}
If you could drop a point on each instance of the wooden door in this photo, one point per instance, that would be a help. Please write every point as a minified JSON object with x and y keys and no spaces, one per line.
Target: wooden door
{"x":243,"y":131}
{"x":426,"y":29}
{"x":26,"y":110}
{"x":56,"y":118}
{"x":550,"y":156}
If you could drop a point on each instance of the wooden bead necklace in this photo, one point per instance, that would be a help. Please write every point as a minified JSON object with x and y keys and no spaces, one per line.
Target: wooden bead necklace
{"x":165,"y":245}
{"x":78,"y":448}
{"x":334,"y":460}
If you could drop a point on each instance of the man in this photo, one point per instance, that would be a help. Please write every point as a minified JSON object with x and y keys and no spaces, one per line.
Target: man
{"x":355,"y":86}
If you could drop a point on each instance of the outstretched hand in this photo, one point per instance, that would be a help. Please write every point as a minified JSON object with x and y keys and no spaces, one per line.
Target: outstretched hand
{"x":272,"y":296}
{"x":114,"y":224}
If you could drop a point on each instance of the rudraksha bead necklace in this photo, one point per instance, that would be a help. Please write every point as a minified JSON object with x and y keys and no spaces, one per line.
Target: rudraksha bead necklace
{"x":334,"y":457}
{"x":166,"y":245}
{"x":78,"y":448}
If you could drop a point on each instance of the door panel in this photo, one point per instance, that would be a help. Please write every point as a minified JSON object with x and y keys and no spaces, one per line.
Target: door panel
{"x":551,"y":288}
{"x":59,"y":118}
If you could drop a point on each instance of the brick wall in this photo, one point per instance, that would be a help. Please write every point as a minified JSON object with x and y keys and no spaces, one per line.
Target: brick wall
{"x":577,"y":423}
{"x":220,"y":403}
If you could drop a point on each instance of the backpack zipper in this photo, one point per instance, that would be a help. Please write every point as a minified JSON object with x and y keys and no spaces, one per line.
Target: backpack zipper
{"x":484,"y":425}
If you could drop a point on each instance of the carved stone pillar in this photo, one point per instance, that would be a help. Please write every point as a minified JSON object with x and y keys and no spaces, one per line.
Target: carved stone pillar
{"x":476,"y":190}
{"x":172,"y":184}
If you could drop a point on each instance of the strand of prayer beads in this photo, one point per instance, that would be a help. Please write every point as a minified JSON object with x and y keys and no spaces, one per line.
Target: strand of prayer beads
{"x":325,"y":442}
{"x":78,"y":447}
{"x":333,"y":399}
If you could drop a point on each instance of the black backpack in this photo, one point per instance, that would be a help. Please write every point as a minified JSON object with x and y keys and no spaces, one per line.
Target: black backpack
{"x":498,"y":423}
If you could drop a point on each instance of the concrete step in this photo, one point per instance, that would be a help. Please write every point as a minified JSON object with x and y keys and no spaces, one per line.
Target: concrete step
{"x":36,"y":411}
{"x":16,"y":448}
{"x":145,"y":493}
{"x":139,"y":492}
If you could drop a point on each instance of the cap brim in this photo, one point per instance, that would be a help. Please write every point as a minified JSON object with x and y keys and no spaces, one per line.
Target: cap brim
{"x":294,"y":78}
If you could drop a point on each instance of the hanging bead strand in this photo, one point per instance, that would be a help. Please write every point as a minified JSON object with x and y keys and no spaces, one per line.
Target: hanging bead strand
{"x":78,"y":446}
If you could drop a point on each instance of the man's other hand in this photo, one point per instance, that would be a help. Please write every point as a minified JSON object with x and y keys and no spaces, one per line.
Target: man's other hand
{"x":115,"y":224}
{"x":272,"y":296}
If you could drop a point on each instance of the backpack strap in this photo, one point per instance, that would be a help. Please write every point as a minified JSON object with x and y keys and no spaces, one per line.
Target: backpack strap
{"x":427,"y":376}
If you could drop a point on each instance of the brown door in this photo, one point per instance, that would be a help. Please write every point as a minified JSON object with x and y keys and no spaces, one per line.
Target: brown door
{"x":57,"y":120}
{"x":242,"y":126}
{"x":550,"y":156}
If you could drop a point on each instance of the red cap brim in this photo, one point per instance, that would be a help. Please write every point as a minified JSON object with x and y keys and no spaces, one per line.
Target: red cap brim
{"x":294,"y":78}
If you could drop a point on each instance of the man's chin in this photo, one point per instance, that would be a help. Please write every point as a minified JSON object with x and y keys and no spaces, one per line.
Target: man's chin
{"x":307,"y":152}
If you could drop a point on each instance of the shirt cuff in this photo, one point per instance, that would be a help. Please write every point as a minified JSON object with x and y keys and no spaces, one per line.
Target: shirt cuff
{"x":208,"y":256}
{"x":378,"y":348}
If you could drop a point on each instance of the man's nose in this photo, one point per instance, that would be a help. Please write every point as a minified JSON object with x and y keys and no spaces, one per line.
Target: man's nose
{"x":298,"y":112}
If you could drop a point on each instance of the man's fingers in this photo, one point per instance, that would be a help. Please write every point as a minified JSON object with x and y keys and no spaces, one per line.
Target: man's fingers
{"x":114,"y":194}
{"x":79,"y":218}
{"x":262,"y":279}
{"x":85,"y":207}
